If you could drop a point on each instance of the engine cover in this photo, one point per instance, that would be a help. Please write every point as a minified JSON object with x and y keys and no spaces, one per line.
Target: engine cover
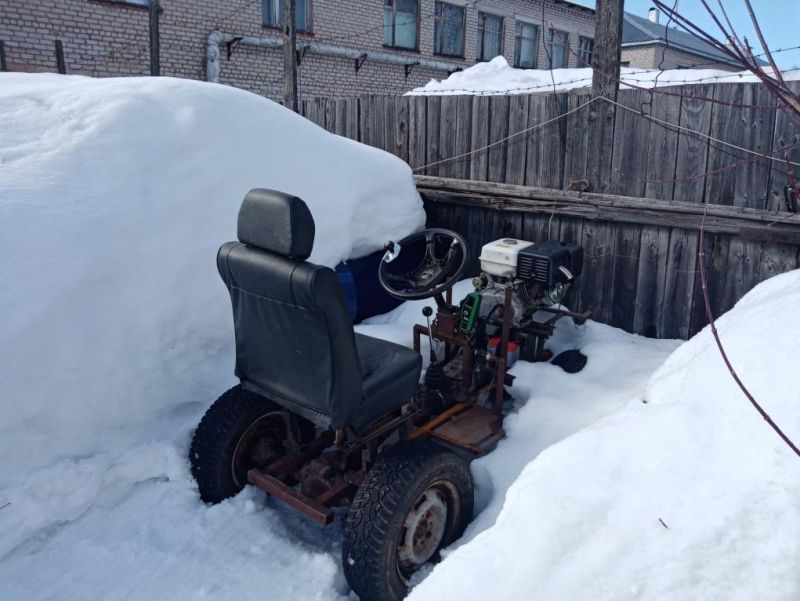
{"x":499,"y":258}
{"x":540,"y":262}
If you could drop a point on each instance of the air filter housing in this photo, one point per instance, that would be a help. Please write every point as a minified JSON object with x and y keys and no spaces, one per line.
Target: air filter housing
{"x":540,"y":262}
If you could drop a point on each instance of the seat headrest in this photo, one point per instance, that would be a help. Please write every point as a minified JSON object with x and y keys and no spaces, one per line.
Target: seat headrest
{"x":276,"y":222}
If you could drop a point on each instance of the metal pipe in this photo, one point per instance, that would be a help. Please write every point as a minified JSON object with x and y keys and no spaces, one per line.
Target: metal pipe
{"x":216,"y":38}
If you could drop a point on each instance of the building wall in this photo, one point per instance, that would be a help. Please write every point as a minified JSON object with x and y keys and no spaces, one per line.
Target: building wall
{"x":650,"y":57}
{"x":110,"y":38}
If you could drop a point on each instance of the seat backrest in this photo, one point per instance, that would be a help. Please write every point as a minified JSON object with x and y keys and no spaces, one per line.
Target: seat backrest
{"x":294,"y":337}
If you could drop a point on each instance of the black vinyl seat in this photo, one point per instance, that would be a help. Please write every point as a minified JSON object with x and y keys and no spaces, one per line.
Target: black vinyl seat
{"x":295,"y":342}
{"x":388,"y":372}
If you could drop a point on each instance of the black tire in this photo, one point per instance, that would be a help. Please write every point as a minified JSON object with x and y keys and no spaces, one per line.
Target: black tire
{"x":216,"y":442}
{"x":375,"y":526}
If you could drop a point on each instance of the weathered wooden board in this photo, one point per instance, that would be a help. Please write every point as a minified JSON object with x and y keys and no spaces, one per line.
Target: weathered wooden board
{"x":786,"y":136}
{"x":631,"y":143}
{"x":624,"y":281}
{"x":400,"y":138}
{"x":517,"y":144}
{"x":576,"y":143}
{"x":737,"y":177}
{"x":389,"y":125}
{"x":498,"y":132}
{"x":651,"y":280}
{"x":596,"y":291}
{"x":545,"y":144}
{"x":417,"y":136}
{"x":447,"y":135}
{"x":461,"y":166}
{"x":693,"y":149}
{"x":715,"y":218}
{"x":662,"y":146}
{"x":434,"y":116}
{"x":479,"y":138}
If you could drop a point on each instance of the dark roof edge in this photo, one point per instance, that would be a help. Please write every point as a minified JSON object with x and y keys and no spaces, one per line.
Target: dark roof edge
{"x":686,"y":49}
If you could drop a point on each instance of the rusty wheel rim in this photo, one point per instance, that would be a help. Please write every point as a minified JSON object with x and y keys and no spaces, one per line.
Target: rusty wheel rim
{"x":425,"y":527}
{"x":259,"y":445}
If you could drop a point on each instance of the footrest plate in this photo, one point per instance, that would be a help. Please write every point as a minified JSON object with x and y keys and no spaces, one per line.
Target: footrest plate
{"x":475,"y":429}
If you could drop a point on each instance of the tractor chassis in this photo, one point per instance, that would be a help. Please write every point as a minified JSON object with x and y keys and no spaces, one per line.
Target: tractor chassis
{"x":329,"y":468}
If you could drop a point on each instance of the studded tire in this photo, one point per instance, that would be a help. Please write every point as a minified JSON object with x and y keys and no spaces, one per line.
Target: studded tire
{"x":376,"y":535}
{"x":217,"y":439}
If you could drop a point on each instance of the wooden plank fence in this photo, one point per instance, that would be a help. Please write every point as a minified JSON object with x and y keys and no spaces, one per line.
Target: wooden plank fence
{"x":701,"y":145}
{"x":640,"y":269}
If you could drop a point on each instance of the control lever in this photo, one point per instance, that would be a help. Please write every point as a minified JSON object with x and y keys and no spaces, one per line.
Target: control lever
{"x":435,"y":380}
{"x":427,"y":312}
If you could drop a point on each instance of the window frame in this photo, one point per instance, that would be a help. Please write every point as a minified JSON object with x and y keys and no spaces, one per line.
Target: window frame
{"x":582,"y":51}
{"x":439,"y":20}
{"x":482,"y":15}
{"x":309,"y":29}
{"x":518,"y":43}
{"x":394,"y":45}
{"x":551,"y":45}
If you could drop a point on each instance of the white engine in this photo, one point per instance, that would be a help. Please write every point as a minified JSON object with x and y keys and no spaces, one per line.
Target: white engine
{"x":499,"y":258}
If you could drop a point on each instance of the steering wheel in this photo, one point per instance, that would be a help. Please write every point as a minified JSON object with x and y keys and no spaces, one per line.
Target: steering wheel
{"x":424,"y":264}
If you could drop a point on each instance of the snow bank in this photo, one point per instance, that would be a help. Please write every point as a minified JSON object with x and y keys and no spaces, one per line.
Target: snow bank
{"x":685,"y":493}
{"x":114,"y":197}
{"x":498,"y":77}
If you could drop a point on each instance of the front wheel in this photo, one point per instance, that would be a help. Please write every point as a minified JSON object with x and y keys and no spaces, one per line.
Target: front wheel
{"x":416,"y":500}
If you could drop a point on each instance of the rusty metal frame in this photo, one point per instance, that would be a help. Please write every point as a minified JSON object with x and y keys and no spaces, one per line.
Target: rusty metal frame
{"x":349,"y":460}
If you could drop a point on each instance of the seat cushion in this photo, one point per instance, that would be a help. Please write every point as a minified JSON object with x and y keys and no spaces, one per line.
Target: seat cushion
{"x":390,"y":374}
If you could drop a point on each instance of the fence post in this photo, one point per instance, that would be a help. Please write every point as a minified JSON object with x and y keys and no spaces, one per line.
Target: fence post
{"x":289,"y":57}
{"x":3,"y":64}
{"x":605,"y":83}
{"x":155,"y":50}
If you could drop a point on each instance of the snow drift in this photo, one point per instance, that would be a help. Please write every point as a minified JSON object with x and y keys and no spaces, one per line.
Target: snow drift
{"x":685,"y":493}
{"x":114,"y":197}
{"x":498,"y":77}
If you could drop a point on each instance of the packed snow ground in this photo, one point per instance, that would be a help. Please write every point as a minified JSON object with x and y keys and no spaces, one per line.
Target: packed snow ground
{"x":498,"y":77}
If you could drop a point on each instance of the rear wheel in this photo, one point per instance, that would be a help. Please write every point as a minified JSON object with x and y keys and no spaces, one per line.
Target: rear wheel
{"x":240,"y":430}
{"x":415,"y":500}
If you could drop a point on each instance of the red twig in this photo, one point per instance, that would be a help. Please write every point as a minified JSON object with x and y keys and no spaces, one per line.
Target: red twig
{"x":734,"y":375}
{"x":775,"y":71}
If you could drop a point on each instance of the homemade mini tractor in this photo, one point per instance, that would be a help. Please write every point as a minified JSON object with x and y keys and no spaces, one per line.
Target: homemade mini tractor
{"x":324,"y":417}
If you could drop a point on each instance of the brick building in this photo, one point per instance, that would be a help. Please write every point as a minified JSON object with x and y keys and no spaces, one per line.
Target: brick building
{"x":647,"y":44}
{"x":346,"y":47}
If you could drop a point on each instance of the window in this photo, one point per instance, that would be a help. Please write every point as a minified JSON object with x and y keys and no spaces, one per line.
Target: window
{"x":272,"y":14}
{"x":525,"y":45}
{"x":490,"y":36}
{"x":400,"y":23}
{"x":559,"y":42}
{"x":585,"y":51}
{"x":448,"y":30}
